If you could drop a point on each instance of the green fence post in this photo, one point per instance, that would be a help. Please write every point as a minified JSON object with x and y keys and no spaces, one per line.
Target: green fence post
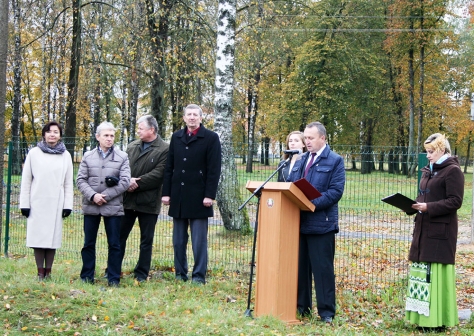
{"x":422,"y":161}
{"x":9,"y":193}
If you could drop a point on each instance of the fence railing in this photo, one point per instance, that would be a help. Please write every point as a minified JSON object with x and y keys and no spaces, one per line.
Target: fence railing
{"x":372,"y":245}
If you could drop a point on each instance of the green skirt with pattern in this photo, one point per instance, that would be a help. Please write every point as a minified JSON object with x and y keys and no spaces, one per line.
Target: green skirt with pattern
{"x":431,"y":297}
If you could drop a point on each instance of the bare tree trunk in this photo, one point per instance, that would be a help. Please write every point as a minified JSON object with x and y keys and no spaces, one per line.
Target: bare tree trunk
{"x":266,"y":150}
{"x":228,"y":193}
{"x":94,"y":112}
{"x":411,"y":94}
{"x":251,"y":117}
{"x":61,"y":79}
{"x":73,"y":83}
{"x":16,"y":109}
{"x":3,"y":90}
{"x":30,"y":105}
{"x":421,"y":97}
{"x":124,"y":107}
{"x":135,"y":90}
{"x":158,"y":27}
{"x":44,"y":74}
{"x":367,"y":159}
{"x":468,"y":154}
{"x":133,"y":110}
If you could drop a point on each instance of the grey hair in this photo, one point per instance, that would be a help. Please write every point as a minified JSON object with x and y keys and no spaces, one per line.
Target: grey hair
{"x":193,"y":107}
{"x":319,"y":126}
{"x":150,"y":122}
{"x":105,"y":126}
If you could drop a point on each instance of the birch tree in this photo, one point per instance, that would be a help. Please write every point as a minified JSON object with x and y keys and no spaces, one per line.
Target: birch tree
{"x":228,"y":195}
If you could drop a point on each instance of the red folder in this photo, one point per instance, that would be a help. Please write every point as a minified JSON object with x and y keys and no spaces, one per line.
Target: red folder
{"x":307,"y":188}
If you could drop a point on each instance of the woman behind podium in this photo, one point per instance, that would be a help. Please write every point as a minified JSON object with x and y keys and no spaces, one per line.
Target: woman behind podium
{"x":431,"y":297}
{"x":294,"y":141}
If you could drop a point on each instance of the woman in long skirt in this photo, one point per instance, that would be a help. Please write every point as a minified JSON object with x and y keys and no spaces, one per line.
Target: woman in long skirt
{"x":431,"y":296}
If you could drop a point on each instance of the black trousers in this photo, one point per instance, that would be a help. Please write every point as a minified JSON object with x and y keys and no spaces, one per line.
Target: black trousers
{"x":199,"y":228}
{"x":316,"y":259}
{"x":147,"y":223}
{"x":112,"y":230}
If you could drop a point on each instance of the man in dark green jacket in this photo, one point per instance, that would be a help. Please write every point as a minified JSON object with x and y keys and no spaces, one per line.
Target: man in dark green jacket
{"x":142,"y":199}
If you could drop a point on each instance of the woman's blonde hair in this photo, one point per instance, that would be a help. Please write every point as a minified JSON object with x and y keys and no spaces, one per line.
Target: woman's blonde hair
{"x":438,"y":142}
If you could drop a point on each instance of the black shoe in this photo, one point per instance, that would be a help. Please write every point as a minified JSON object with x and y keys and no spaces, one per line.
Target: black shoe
{"x":199,"y":282}
{"x":114,"y":284}
{"x":181,"y":278}
{"x":87,"y":280}
{"x":303,"y":312}
{"x":140,"y":280}
{"x":326,"y":319}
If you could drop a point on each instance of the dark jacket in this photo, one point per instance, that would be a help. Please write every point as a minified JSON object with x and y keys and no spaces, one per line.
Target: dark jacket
{"x":283,"y":172}
{"x":149,"y":166}
{"x":328,"y":175}
{"x":192,"y":173}
{"x":436,"y":231}
{"x":91,"y":180}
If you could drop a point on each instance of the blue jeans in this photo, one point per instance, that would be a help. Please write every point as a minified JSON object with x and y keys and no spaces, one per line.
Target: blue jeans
{"x":147,"y":223}
{"x":112,"y":229}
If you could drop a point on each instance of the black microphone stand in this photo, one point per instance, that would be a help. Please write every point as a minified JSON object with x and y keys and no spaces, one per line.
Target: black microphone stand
{"x":258,"y":193}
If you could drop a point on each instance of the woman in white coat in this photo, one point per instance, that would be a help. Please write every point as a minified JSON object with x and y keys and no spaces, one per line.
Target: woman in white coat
{"x":46,"y":196}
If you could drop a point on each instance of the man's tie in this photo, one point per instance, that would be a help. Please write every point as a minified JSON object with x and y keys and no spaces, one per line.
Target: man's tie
{"x":313,"y":155}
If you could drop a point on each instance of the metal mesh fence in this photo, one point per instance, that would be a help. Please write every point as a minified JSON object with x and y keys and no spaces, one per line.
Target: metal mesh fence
{"x":371,"y":247}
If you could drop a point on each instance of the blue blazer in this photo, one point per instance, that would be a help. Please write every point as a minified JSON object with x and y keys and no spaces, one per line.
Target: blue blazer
{"x":327,"y":174}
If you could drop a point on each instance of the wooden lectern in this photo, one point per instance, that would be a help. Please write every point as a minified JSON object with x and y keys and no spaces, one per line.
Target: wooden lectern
{"x":277,"y":248}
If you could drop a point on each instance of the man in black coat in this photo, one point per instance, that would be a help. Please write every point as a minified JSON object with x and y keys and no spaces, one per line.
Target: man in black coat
{"x":190,"y":184}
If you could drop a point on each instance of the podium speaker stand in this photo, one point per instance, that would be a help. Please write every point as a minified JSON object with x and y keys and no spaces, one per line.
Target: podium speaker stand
{"x":277,"y":248}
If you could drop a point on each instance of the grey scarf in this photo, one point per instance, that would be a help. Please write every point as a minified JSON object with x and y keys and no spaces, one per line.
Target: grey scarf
{"x":59,"y":148}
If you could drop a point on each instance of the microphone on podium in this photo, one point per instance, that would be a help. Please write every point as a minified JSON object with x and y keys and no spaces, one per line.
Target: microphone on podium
{"x":293,"y":151}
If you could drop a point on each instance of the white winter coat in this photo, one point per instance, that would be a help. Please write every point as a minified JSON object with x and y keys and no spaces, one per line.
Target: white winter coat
{"x":46,"y":189}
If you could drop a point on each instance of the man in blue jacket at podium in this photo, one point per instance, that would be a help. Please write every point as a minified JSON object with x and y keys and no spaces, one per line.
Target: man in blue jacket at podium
{"x":324,"y":169}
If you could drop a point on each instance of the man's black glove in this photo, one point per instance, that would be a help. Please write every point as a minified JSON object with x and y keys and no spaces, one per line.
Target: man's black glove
{"x":66,"y":212}
{"x":25,"y":212}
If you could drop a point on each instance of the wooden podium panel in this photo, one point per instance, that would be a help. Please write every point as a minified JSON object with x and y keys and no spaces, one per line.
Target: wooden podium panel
{"x":277,"y":249}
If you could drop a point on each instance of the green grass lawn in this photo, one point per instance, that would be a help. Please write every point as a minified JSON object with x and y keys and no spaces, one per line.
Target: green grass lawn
{"x":371,"y":273}
{"x":162,"y":306}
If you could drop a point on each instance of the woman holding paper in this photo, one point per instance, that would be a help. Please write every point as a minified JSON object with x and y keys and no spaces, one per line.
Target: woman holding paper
{"x":294,"y":141}
{"x":431,"y":297}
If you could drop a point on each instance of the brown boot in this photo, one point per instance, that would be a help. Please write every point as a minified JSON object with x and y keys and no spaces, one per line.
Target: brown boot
{"x":47,"y":273}
{"x":41,"y":272}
